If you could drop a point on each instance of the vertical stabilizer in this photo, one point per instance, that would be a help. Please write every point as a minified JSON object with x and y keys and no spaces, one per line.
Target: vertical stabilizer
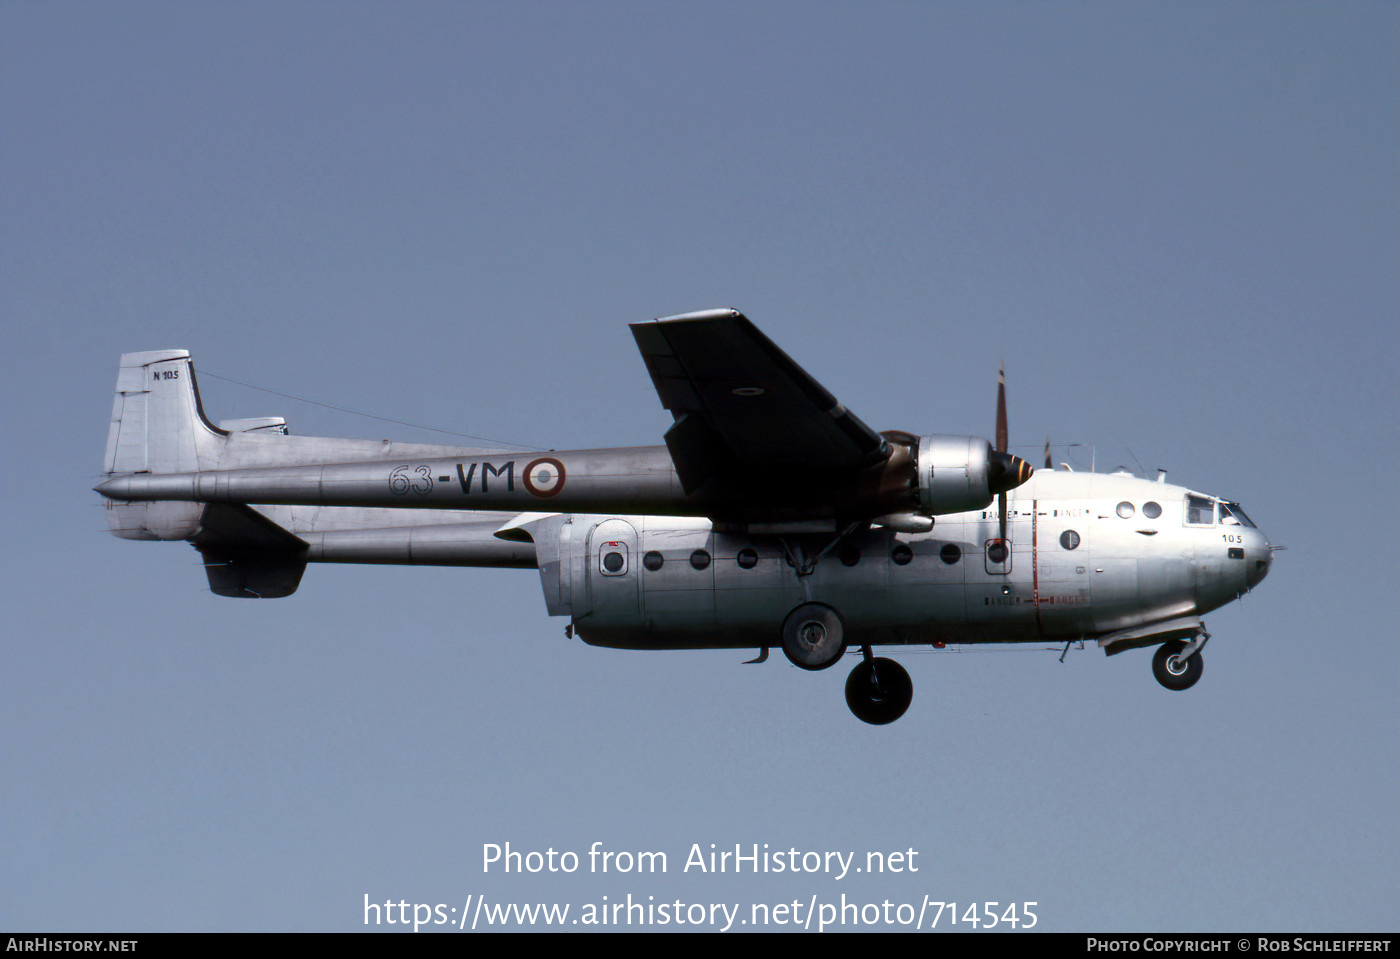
{"x":158,"y":425}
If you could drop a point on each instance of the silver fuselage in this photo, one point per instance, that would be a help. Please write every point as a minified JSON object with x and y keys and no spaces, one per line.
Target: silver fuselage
{"x":677,"y":583}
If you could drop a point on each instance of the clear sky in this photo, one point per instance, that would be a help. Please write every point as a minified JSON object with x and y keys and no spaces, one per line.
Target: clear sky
{"x":1176,"y":224}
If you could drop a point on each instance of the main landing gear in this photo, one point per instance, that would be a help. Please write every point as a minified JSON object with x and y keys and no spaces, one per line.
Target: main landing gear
{"x":878,"y":690}
{"x":1178,"y":664}
{"x":813,"y":636}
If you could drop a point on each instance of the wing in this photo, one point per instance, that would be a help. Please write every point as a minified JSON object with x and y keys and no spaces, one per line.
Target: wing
{"x":744,"y":410}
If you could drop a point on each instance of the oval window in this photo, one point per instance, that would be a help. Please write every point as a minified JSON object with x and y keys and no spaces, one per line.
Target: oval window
{"x":748,"y":558}
{"x":1151,"y":510}
{"x":850,"y":556}
{"x":1125,"y":509}
{"x":1069,"y":539}
{"x":996,"y":551}
{"x":901,"y":554}
{"x":613,"y":562}
{"x":950,"y":553}
{"x":699,"y":559}
{"x":653,"y":560}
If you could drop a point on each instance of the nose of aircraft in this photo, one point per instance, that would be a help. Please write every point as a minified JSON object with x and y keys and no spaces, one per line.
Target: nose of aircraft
{"x":1261,"y":558}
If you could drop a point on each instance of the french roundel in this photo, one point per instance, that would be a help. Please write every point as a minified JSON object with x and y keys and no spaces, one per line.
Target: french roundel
{"x":544,"y":477}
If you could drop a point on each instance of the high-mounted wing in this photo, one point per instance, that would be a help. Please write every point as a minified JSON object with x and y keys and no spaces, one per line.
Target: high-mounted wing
{"x":745,"y":413}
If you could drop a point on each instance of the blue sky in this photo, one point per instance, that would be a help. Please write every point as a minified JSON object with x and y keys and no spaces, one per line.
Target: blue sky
{"x":1176,"y":226}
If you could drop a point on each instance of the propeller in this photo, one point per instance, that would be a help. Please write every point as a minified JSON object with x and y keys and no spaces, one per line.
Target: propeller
{"x":1008,"y":472}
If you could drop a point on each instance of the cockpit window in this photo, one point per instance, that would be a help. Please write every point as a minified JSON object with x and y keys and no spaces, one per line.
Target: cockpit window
{"x":1232,"y":515}
{"x":1200,"y":511}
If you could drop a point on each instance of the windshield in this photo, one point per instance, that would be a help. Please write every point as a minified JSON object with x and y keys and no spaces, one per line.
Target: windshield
{"x":1232,"y":515}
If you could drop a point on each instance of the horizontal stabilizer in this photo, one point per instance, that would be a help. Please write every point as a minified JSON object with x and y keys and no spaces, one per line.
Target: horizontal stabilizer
{"x":253,"y":575}
{"x":233,"y":526}
{"x":248,"y":556}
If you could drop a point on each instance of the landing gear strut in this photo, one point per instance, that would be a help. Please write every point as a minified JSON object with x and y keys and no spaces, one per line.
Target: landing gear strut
{"x":878,"y":690}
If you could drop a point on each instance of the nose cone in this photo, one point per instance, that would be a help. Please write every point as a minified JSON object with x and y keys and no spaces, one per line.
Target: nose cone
{"x":1260,"y":556}
{"x":1006,"y":472}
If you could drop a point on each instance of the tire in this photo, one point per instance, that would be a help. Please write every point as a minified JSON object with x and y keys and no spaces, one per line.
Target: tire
{"x":1173,"y":674}
{"x":813,"y":636}
{"x":879,"y":691}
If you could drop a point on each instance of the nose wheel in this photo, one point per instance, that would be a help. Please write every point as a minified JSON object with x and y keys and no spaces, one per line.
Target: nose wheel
{"x":1178,"y":666}
{"x":878,"y":690}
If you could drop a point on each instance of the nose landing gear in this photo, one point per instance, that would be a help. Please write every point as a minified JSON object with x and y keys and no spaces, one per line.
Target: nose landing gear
{"x":1177,"y":665}
{"x":878,"y":690}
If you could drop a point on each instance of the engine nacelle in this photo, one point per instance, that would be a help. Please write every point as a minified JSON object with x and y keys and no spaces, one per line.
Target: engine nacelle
{"x":954,"y":474}
{"x":960,"y":473}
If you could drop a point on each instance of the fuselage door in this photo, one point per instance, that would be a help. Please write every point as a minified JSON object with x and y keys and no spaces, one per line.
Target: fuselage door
{"x":612,"y":571}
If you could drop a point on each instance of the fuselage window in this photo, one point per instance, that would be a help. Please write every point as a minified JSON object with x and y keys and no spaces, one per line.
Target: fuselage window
{"x":653,"y":560}
{"x":998,"y":557}
{"x":1200,"y":511}
{"x":748,"y":558}
{"x":950,"y":553}
{"x":699,"y":559}
{"x":1151,"y":510}
{"x":849,"y":556}
{"x":1069,"y":539}
{"x":901,"y":554}
{"x":1125,"y":509}
{"x":613,"y":559}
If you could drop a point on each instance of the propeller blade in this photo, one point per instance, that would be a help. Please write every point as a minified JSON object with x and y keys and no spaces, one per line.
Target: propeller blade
{"x":1008,"y":472}
{"x":1001,"y":411}
{"x":1048,"y":465}
{"x":1001,"y":445}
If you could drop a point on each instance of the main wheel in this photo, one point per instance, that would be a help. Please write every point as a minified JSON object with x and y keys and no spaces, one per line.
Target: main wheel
{"x":879,"y":691}
{"x":813,"y":636}
{"x":1172,"y":671}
